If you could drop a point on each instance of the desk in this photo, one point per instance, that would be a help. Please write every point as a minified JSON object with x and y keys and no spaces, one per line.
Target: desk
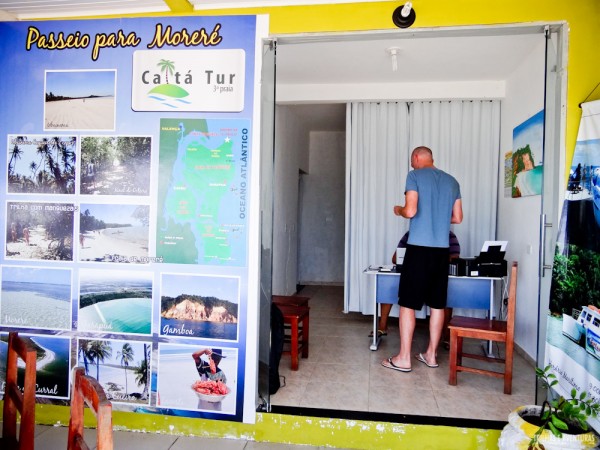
{"x":463,"y":292}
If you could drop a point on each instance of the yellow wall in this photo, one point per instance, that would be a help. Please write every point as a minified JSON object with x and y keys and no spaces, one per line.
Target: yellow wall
{"x":583,"y":18}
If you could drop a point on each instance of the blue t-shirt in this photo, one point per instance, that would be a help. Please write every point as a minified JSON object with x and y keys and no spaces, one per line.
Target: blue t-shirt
{"x":437,"y":193}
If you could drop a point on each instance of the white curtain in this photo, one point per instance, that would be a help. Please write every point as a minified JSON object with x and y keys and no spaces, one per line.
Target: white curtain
{"x":464,"y":137}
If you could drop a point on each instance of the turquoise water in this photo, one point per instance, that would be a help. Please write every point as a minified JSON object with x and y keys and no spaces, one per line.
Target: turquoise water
{"x":125,"y":315}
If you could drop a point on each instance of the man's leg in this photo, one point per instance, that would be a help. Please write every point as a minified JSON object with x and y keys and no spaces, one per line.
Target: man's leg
{"x":436,"y":324}
{"x":407,"y":329}
{"x":386,"y":308}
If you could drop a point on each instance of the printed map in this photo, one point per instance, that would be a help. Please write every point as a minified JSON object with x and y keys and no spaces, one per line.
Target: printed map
{"x":203,"y":191}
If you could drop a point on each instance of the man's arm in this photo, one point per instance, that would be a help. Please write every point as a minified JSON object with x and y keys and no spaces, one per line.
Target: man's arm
{"x":457,"y":212}
{"x":411,"y":199}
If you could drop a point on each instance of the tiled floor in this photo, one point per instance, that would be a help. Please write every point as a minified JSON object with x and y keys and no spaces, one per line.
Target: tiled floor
{"x":340,"y":363}
{"x":342,"y":373}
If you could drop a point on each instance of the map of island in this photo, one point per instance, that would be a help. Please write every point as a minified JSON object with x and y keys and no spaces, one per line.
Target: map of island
{"x":202,"y":191}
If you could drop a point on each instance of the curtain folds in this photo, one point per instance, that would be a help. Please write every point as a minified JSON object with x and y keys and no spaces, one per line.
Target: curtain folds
{"x":464,"y":137}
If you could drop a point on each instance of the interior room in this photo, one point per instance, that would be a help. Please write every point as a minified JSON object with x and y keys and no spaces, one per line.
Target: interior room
{"x":317,"y":76}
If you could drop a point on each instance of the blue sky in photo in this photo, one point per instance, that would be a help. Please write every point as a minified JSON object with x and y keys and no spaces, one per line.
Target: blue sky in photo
{"x":36,"y":275}
{"x":225,"y":288}
{"x":81,"y":83}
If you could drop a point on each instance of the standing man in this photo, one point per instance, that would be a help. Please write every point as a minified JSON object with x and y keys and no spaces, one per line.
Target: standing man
{"x":432,"y":203}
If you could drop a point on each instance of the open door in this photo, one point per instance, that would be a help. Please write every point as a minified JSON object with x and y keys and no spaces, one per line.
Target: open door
{"x":266,"y":219}
{"x":553,"y":186}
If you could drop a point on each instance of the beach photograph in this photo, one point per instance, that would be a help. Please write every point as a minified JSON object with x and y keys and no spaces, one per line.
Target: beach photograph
{"x":52,"y":366}
{"x":35,"y":297}
{"x":39,"y":231}
{"x":112,"y":301}
{"x":115,"y":165}
{"x":80,"y":100}
{"x":41,"y":164}
{"x":114,"y":233}
{"x":199,"y":306}
{"x":177,"y":374}
{"x":121,"y":367}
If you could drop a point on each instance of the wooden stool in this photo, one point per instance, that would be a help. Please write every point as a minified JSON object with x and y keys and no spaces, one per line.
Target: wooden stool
{"x":295,"y":319}
{"x":290,"y":300}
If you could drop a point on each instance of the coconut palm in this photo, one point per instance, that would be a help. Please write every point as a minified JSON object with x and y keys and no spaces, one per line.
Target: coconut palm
{"x":141,"y":372}
{"x":167,"y":67}
{"x":125,"y":356}
{"x":84,"y":354}
{"x":99,"y":351}
{"x":14,"y":155}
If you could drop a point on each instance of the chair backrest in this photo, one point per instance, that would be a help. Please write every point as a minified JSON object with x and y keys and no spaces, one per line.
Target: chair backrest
{"x":87,"y":390}
{"x":15,"y":400}
{"x":512,"y":302}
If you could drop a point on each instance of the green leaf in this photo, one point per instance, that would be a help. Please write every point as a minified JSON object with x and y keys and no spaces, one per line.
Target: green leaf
{"x":555,"y":431}
{"x":573,"y":393}
{"x":558,"y":423}
{"x":582,"y":395}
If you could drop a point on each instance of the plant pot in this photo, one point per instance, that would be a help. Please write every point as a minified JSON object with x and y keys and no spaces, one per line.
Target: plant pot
{"x":518,"y":432}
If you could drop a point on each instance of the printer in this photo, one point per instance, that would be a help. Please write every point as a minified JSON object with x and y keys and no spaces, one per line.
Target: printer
{"x":491,"y":262}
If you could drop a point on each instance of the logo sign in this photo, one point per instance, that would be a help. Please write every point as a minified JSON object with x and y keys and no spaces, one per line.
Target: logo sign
{"x":188,"y":80}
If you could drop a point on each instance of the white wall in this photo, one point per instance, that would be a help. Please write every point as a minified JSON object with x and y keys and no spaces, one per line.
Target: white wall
{"x":518,"y":218}
{"x":291,"y":154}
{"x":322,"y":206}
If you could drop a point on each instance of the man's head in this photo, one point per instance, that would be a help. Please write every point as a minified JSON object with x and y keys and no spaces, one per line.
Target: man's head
{"x":421,"y":157}
{"x":216,"y":355}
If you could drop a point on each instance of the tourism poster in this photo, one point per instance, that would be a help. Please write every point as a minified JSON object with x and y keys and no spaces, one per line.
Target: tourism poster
{"x":573,"y":329}
{"x":528,"y":157}
{"x":127,"y":198}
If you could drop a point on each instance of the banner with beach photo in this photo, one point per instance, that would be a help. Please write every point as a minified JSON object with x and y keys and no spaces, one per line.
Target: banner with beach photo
{"x":573,"y":330}
{"x":127,"y":198}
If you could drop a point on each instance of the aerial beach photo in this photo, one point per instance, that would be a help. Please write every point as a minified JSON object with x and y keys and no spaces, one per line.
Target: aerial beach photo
{"x":80,"y":100}
{"x":113,"y":301}
{"x":52,"y":365}
{"x":200,"y":306}
{"x":40,"y":231}
{"x":35,"y":297}
{"x":114,"y":233}
{"x":121,"y":367}
{"x":41,"y":164}
{"x":115,"y":165}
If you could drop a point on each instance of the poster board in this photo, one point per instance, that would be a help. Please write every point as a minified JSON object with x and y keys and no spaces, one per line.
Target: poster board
{"x":129,"y":198}
{"x":573,"y":327}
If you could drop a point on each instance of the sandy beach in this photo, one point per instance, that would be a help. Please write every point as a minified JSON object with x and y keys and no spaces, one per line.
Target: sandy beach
{"x":81,"y":114}
{"x":127,"y":242}
{"x":37,"y":248}
{"x":34,"y":310}
{"x":112,"y":379}
{"x":49,"y":356}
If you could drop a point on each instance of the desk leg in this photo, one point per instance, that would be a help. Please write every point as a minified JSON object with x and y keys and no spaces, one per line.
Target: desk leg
{"x":489,"y":347}
{"x":376,"y":338}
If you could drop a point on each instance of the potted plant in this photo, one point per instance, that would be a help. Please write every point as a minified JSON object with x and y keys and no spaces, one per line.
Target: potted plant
{"x":557,"y":424}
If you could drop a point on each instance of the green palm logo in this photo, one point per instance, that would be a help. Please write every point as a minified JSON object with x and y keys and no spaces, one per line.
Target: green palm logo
{"x":172,"y":91}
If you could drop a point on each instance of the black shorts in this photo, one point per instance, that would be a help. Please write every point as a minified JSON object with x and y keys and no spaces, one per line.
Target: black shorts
{"x":424,"y":278}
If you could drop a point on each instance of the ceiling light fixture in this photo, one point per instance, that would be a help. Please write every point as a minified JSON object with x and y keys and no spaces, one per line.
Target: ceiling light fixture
{"x":393,"y":52}
{"x":404,"y":16}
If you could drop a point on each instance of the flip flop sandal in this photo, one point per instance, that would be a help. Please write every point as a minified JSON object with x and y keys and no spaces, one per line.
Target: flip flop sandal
{"x":379,"y":333}
{"x":390,"y":365}
{"x":421,"y":358}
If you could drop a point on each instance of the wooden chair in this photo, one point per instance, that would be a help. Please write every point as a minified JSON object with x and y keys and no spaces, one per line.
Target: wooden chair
{"x":17,"y":401}
{"x":86,"y":390}
{"x":489,"y":330}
